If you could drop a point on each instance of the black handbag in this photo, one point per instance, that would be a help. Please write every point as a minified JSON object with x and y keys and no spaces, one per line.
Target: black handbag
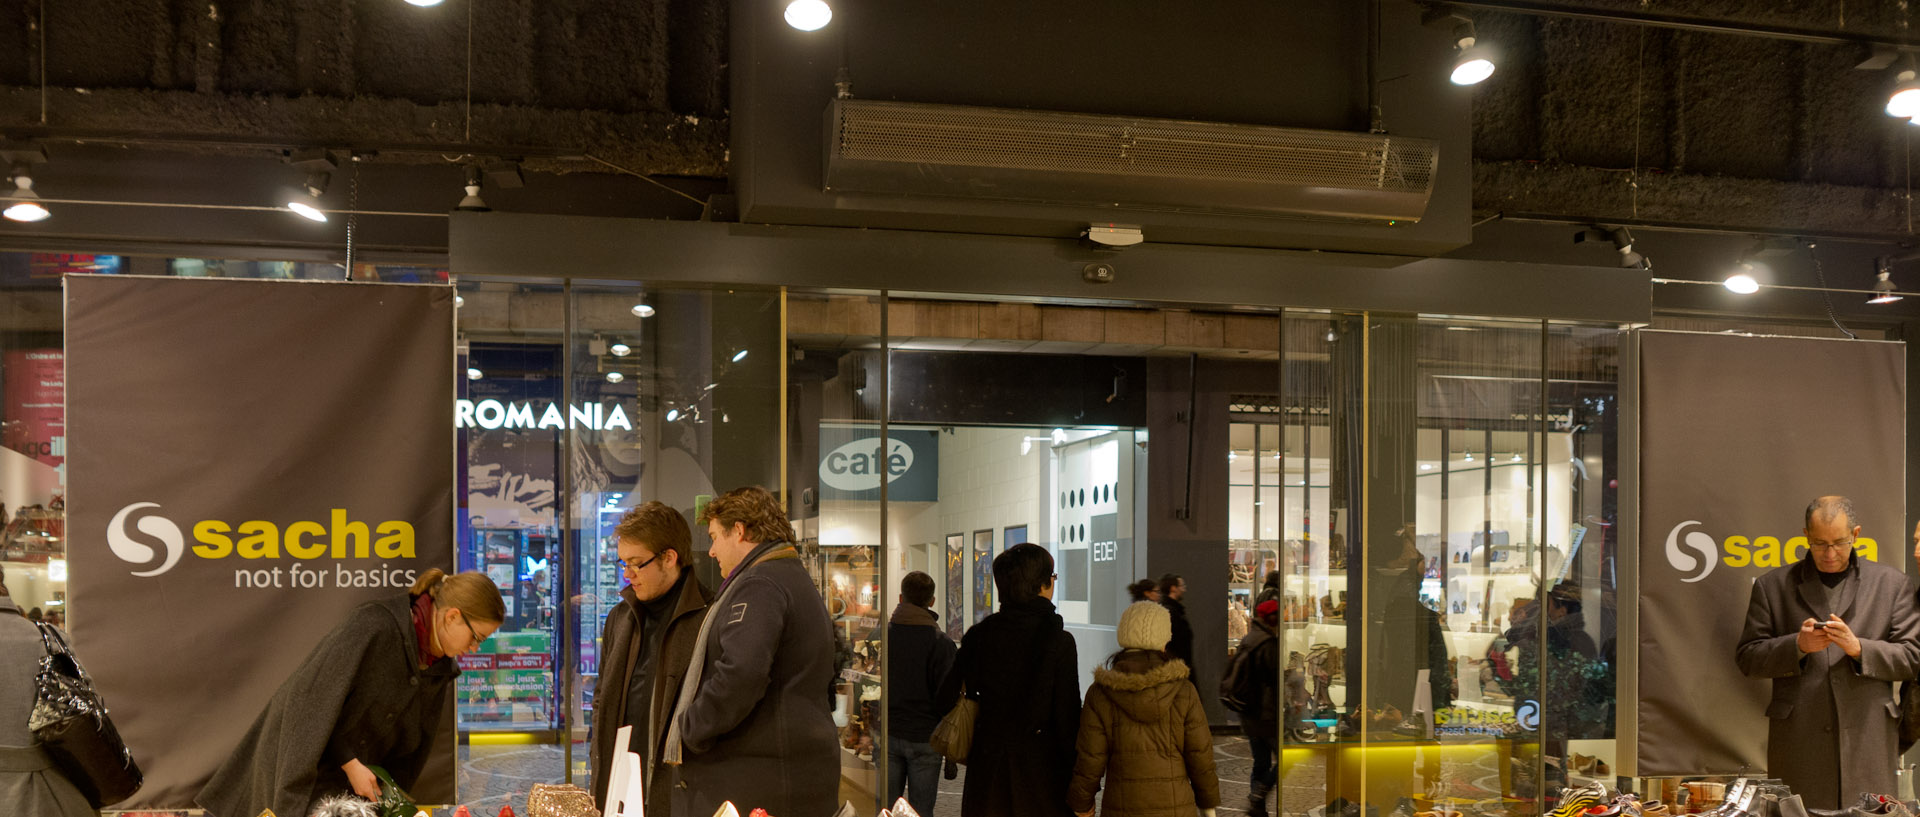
{"x":70,"y":722}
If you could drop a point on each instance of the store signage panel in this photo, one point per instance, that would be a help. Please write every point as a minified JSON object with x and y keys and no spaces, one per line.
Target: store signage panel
{"x":189,"y":539}
{"x":1727,"y":467}
{"x":853,"y":461}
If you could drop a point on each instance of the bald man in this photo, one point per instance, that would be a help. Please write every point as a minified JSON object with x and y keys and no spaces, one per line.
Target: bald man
{"x":1835,"y":633}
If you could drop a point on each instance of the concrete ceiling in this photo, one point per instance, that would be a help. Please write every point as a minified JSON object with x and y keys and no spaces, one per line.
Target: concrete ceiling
{"x":1586,"y":120}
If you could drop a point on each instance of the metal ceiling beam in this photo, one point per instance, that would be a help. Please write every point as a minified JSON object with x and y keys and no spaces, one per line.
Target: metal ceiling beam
{"x":1705,"y":25}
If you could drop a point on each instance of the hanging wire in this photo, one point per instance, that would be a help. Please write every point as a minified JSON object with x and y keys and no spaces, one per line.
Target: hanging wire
{"x":648,"y":179}
{"x":1820,"y":275}
{"x":1639,"y":73}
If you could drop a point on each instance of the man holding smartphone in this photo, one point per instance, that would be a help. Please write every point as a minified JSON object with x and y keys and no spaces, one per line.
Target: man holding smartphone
{"x":1835,"y":633}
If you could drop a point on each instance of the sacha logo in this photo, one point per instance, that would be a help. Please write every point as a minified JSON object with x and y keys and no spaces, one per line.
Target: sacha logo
{"x":857,"y":466}
{"x":255,"y":539}
{"x":1699,"y":552}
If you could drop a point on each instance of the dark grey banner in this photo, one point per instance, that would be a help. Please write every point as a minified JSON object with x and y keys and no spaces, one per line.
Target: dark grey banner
{"x":1738,"y":434}
{"x":248,"y":461}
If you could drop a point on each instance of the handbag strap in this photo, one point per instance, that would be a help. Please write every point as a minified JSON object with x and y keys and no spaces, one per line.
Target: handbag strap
{"x":47,"y":638}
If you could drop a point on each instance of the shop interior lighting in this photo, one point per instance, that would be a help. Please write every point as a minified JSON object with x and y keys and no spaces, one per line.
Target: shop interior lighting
{"x":620,"y":350}
{"x":642,"y":311}
{"x":1469,"y":457}
{"x":307,"y":204}
{"x":25,"y":204}
{"x":1059,"y":436}
{"x":1742,"y":280}
{"x":458,"y":301}
{"x":809,"y":15}
{"x":472,"y":203}
{"x":1883,"y":291}
{"x":615,"y":377}
{"x":1472,"y":62}
{"x":673,"y":414}
{"x":740,"y":355}
{"x":1904,"y":101}
{"x":1231,"y":456}
{"x":474,"y":374}
{"x":423,"y":3}
{"x":1516,"y":457}
{"x":1426,"y":466}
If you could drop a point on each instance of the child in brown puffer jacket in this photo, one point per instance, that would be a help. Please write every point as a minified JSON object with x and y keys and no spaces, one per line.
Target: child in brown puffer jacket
{"x":1143,"y":727}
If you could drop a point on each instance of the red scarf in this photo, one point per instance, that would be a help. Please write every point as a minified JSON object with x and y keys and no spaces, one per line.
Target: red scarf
{"x":423,"y":627}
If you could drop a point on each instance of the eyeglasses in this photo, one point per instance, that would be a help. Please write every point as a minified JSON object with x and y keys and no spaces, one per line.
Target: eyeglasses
{"x":1830,"y":546}
{"x":471,"y":633}
{"x":629,"y":565}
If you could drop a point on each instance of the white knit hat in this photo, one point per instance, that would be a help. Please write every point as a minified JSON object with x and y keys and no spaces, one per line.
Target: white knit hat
{"x":1145,"y":626}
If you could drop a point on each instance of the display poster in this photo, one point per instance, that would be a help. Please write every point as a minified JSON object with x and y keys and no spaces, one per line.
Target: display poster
{"x":1738,"y":434}
{"x":249,"y":460}
{"x":34,"y":394}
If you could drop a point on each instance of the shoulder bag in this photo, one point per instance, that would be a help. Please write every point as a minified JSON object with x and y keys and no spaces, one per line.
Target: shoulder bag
{"x":70,"y":722}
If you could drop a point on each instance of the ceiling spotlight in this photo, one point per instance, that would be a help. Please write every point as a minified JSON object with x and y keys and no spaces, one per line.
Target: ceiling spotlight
{"x":1883,"y":292}
{"x":1426,"y":466}
{"x":642,"y":311}
{"x":1059,"y":436}
{"x":423,"y":3}
{"x":1231,"y":456}
{"x":1515,"y":458}
{"x":474,"y":374}
{"x":1904,"y":102}
{"x":615,"y":377}
{"x":458,"y":301}
{"x":740,"y":355}
{"x":809,"y":15}
{"x":1742,"y":280}
{"x":1469,"y":456}
{"x":26,"y":203}
{"x":673,"y":414}
{"x":1332,"y":336}
{"x":620,"y":350}
{"x":307,"y":205}
{"x":472,"y":203}
{"x":1474,"y":64}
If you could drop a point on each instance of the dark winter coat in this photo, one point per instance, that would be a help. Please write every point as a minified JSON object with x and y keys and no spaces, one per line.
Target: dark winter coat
{"x":1263,"y":649}
{"x":921,"y":656}
{"x":758,"y":731}
{"x":29,"y":783}
{"x":1181,"y":644}
{"x":1145,"y":730}
{"x":1831,"y":721}
{"x":361,"y":694}
{"x":620,"y":643}
{"x":1021,"y":665}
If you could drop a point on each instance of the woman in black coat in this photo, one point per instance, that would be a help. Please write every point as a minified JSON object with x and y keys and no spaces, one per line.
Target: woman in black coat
{"x":1021,"y":665}
{"x":371,"y":694}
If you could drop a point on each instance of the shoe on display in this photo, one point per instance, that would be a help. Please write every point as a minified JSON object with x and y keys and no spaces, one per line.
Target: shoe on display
{"x":1654,"y":808}
{"x":1575,"y":801}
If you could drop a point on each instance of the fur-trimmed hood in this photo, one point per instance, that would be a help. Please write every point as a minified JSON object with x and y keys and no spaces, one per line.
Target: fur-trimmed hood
{"x":1141,"y":687}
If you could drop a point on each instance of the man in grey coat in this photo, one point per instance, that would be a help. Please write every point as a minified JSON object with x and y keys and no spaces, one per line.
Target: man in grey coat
{"x":1835,"y":633}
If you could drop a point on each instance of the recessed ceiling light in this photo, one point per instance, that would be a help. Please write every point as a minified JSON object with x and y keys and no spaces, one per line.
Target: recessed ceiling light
{"x":809,"y":15}
{"x":615,"y":377}
{"x":474,"y":374}
{"x":620,"y":350}
{"x":740,"y":355}
{"x":642,"y":311}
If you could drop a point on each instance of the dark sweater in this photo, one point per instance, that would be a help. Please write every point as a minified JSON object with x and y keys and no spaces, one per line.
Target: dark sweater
{"x":921,"y":656}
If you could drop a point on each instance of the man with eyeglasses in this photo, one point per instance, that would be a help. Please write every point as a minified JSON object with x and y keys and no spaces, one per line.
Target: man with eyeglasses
{"x":1835,"y":633}
{"x":646,"y":645}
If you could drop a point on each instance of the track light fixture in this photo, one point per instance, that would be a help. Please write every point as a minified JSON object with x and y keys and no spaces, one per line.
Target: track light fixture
{"x":319,"y":165}
{"x":24,"y":204}
{"x":472,"y":202}
{"x":1741,"y":279}
{"x":1472,"y":61}
{"x":1883,"y":291}
{"x":1622,"y":241}
{"x":809,"y":15}
{"x":1904,"y":101}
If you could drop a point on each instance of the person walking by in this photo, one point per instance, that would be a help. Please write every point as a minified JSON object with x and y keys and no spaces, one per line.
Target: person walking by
{"x":754,"y":725}
{"x":1173,"y":588}
{"x":29,"y":782}
{"x":922,"y":654}
{"x":1144,"y":590}
{"x":1022,"y":667}
{"x":1144,"y":730}
{"x":371,"y":694}
{"x":1261,"y":721}
{"x":647,"y":644}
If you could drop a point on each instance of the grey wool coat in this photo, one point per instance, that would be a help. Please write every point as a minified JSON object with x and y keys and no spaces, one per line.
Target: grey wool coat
{"x":361,"y":694}
{"x":29,"y":785}
{"x":1831,"y":721}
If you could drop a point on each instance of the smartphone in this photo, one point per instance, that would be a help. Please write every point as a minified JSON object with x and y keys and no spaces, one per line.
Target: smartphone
{"x":1819,"y":625}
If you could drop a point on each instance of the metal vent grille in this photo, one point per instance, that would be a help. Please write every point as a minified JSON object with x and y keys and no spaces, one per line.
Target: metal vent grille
{"x":1066,"y":158}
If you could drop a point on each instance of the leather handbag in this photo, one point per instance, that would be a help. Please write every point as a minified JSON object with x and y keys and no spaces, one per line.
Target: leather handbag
{"x":954,"y":736}
{"x":70,"y":722}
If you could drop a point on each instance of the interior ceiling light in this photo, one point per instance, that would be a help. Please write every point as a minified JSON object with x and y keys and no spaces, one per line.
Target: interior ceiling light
{"x":423,"y":3}
{"x":1472,"y":62}
{"x":1516,"y":457}
{"x":642,"y":311}
{"x":1469,"y":457}
{"x":1622,"y":241}
{"x":1904,"y":102}
{"x":740,"y":355}
{"x":25,"y":205}
{"x":615,"y":377}
{"x":620,"y":350}
{"x":1059,"y":436}
{"x":472,"y":203}
{"x":1742,"y":280}
{"x":1883,"y":292}
{"x":673,"y":414}
{"x":474,"y":374}
{"x":809,"y":15}
{"x":318,"y":162}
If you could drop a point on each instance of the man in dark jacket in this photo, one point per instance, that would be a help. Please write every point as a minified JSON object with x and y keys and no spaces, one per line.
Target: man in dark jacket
{"x":921,"y":656}
{"x":646,"y":645}
{"x":1172,"y":590}
{"x":753,"y":726}
{"x":1021,"y":665}
{"x":1262,"y":723}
